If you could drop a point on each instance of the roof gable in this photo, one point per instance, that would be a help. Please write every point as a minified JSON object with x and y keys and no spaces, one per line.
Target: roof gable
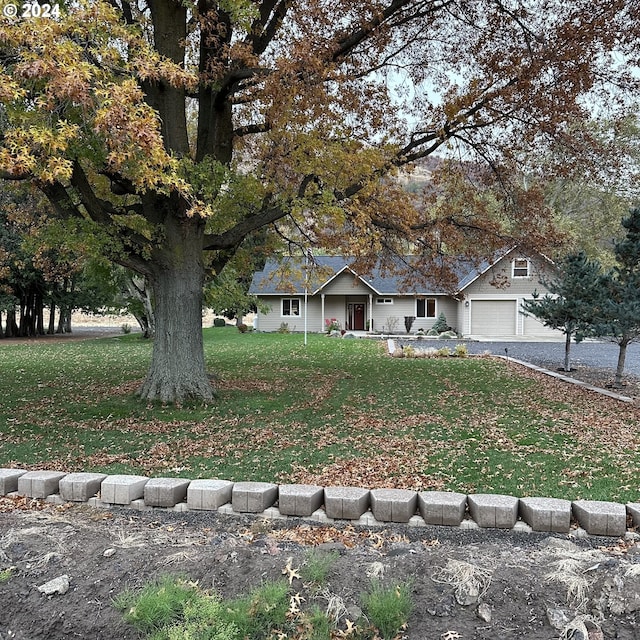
{"x":288,"y":276}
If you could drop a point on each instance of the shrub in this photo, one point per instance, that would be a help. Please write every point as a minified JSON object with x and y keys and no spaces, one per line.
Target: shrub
{"x":5,"y":575}
{"x":284,"y":327}
{"x":408,"y":322}
{"x":173,"y":609}
{"x":331,"y":325}
{"x":263,"y":610}
{"x":392,"y":324}
{"x":409,"y":352}
{"x":460,"y":350}
{"x":125,"y":328}
{"x":318,"y":565}
{"x":242,"y":328}
{"x":320,"y":625}
{"x":388,"y":608}
{"x":440,"y":324}
{"x":157,"y":605}
{"x":219,"y":322}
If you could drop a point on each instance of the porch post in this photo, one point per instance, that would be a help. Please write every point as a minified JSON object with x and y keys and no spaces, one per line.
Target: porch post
{"x":322,"y":313}
{"x":370,"y":312}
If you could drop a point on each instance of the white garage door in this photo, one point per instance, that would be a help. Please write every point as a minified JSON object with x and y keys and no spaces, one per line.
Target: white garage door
{"x":493,"y":317}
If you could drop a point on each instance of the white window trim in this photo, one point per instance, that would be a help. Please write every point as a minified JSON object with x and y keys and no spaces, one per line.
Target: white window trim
{"x":513,"y":268}
{"x":282,"y":314}
{"x":382,"y":301}
{"x":435,"y":308}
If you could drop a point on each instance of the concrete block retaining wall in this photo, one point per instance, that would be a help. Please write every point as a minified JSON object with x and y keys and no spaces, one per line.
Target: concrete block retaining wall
{"x":362,"y":506}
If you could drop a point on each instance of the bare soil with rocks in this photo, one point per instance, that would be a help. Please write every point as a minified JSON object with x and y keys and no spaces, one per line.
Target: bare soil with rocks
{"x":466,"y":584}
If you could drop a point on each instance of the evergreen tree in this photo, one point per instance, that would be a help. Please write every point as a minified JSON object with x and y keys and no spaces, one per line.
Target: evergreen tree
{"x":618,"y":317}
{"x":573,"y":294}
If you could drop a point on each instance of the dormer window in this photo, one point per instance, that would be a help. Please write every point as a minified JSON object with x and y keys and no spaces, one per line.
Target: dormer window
{"x":521,"y":268}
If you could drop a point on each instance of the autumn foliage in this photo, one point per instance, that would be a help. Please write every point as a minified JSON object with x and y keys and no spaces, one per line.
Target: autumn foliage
{"x":182,"y":128}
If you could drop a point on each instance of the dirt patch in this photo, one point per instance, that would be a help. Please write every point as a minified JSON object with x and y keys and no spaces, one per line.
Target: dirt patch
{"x":465,"y":584}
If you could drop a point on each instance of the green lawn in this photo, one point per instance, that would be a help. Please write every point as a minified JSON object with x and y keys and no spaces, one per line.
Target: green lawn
{"x":334,"y":412}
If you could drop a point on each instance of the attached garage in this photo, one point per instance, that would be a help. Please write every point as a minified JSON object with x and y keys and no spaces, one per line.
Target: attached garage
{"x":493,"y":317}
{"x":533,"y":327}
{"x":501,"y":318}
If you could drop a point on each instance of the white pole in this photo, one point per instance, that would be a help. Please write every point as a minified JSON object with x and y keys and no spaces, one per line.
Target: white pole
{"x":306,"y":293}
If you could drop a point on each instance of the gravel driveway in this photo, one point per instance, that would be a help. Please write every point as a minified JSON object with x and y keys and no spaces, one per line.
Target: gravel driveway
{"x":550,"y":355}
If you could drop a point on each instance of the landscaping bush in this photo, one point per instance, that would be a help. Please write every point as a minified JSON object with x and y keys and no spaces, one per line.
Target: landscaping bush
{"x":408,"y":323}
{"x":388,"y":608}
{"x":440,"y":325}
{"x":460,"y":351}
{"x":219,"y":322}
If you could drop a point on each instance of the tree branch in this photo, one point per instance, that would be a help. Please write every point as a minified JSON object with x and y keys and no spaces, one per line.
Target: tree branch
{"x":99,"y":210}
{"x":234,"y":236}
{"x":249,"y":129}
{"x":60,"y":199}
{"x":265,"y":28}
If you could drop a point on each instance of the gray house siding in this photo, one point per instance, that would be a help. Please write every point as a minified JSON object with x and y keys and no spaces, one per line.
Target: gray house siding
{"x":499,"y":280}
{"x":488,"y":302}
{"x":492,"y":303}
{"x":346,"y":284}
{"x":273,"y":319}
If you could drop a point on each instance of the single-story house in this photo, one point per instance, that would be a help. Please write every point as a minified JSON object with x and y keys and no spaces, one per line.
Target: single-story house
{"x":486,"y":301}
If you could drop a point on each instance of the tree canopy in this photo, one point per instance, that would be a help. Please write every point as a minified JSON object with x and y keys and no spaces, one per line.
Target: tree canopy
{"x":183,"y":127}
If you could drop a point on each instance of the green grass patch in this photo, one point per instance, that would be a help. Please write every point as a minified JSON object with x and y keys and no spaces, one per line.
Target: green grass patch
{"x":333,"y":412}
{"x":387,"y":608}
{"x":5,"y":575}
{"x":173,"y":608}
{"x":317,"y":566}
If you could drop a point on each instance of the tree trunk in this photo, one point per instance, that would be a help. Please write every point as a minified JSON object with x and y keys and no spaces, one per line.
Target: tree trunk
{"x":177,"y":372}
{"x":39,"y":313}
{"x":69,"y":307}
{"x":11,"y":327}
{"x":62,"y":306}
{"x":567,"y":351}
{"x":60,"y":328}
{"x":622,"y":355}
{"x":52,"y":319}
{"x":139,"y":290}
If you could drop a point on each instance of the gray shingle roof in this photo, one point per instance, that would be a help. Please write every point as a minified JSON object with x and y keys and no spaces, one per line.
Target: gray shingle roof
{"x":287,"y":276}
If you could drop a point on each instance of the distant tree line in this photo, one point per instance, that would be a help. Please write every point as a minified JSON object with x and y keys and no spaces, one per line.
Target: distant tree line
{"x":51,"y":268}
{"x":48,"y":269}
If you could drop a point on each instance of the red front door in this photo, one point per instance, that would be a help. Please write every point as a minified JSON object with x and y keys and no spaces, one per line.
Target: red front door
{"x":355,"y":316}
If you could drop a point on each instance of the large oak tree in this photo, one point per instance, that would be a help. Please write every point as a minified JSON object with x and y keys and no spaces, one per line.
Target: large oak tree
{"x":183,"y":127}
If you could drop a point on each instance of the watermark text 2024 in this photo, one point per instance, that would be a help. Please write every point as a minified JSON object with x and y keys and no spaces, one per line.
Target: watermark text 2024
{"x":31,"y":10}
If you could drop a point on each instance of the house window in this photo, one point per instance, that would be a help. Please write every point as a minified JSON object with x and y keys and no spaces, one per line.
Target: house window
{"x":426,"y":308}
{"x":384,"y":300}
{"x":290,"y":307}
{"x":520,"y":268}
